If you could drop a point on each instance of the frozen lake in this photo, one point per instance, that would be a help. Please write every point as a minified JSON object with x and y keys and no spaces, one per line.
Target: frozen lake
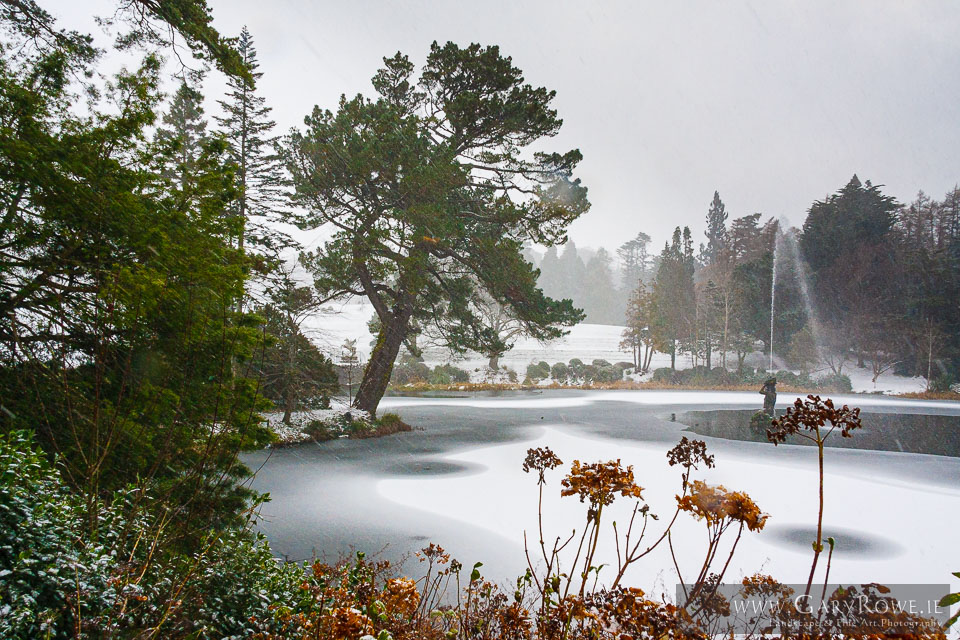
{"x":458,"y":482}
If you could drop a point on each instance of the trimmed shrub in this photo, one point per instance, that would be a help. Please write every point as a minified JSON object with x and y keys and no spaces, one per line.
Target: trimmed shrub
{"x":666,"y":375}
{"x":560,"y":373}
{"x":409,"y":371}
{"x":760,"y":422}
{"x":835,"y":383}
{"x":608,"y":374}
{"x":538,"y":371}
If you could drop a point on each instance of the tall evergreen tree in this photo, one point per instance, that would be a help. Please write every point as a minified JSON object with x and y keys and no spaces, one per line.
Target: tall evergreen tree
{"x":181,"y":137}
{"x":117,"y":293}
{"x":598,"y":294}
{"x":849,"y":245}
{"x":634,"y":261}
{"x":430,"y":194}
{"x":571,"y":268}
{"x":248,"y":128}
{"x":716,"y":230}
{"x":549,"y":278}
{"x":674,"y":297}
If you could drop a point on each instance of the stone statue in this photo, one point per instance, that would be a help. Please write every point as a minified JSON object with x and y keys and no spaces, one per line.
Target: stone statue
{"x":769,"y":391}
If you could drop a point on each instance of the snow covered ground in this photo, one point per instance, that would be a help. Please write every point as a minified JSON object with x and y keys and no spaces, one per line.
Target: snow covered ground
{"x":294,"y":432}
{"x":587,"y":342}
{"x":890,"y":526}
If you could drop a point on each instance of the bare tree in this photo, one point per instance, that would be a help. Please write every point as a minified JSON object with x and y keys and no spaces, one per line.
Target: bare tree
{"x":930,"y":340}
{"x":637,"y":336}
{"x":349,"y":363}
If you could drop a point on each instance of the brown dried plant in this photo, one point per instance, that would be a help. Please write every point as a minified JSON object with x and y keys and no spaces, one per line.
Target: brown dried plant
{"x":809,"y":419}
{"x":554,"y":602}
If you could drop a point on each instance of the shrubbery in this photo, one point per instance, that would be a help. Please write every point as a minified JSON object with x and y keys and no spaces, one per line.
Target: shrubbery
{"x":448,"y":374}
{"x":836,"y":383}
{"x":538,"y":371}
{"x":560,"y":373}
{"x":75,"y":570}
{"x":942,"y":383}
{"x":409,"y":370}
{"x":63,"y":577}
{"x":701,"y":376}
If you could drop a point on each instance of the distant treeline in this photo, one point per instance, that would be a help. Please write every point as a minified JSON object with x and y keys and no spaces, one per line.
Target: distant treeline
{"x":882,"y":280}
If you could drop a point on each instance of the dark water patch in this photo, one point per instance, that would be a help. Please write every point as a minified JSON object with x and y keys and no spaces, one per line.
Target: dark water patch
{"x":433,"y":468}
{"x":900,"y":432}
{"x":848,"y":543}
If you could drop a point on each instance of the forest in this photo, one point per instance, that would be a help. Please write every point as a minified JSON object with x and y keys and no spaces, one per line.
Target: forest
{"x":153,"y":300}
{"x":879,"y":275}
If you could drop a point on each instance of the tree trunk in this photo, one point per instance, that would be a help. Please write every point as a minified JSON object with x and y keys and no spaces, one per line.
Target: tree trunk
{"x":290,"y":393}
{"x":673,"y":355}
{"x":494,"y":362}
{"x":726,"y":327}
{"x":376,"y":375}
{"x":709,"y":358}
{"x":289,"y":404}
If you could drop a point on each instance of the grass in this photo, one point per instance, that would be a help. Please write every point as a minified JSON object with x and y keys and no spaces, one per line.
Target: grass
{"x":932,"y":395}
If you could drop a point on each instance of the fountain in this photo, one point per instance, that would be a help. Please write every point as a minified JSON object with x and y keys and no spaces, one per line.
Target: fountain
{"x":785,"y":247}
{"x":773,"y":293}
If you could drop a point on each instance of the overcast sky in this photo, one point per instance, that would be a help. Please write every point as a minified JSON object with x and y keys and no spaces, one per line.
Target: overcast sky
{"x":774,"y":104}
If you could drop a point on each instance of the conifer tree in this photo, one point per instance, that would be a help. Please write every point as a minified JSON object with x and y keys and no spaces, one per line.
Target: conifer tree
{"x":181,"y":136}
{"x":247,"y":127}
{"x":673,"y":294}
{"x":634,"y":261}
{"x":431,"y":194}
{"x":716,"y":229}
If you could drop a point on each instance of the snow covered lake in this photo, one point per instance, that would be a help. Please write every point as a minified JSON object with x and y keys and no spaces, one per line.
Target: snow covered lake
{"x":458,"y":482}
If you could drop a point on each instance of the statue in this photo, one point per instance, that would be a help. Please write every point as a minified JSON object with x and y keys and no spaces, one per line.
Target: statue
{"x":769,"y":391}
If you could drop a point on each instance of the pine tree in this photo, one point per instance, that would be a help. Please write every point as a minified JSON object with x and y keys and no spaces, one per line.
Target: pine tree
{"x":634,"y":261}
{"x":598,"y":293}
{"x":549,"y":278}
{"x":637,"y":335}
{"x":716,"y":230}
{"x":293,"y":372}
{"x":182,"y":135}
{"x":431,"y":194}
{"x":571,"y":271}
{"x":673,"y":295}
{"x":247,"y":127}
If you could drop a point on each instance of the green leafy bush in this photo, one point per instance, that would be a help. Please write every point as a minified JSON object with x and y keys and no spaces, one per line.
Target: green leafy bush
{"x":448,"y":374}
{"x":103,"y":569}
{"x":942,"y":383}
{"x":560,"y":373}
{"x":409,"y":370}
{"x":835,"y":383}
{"x":666,"y":375}
{"x":538,"y":371}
